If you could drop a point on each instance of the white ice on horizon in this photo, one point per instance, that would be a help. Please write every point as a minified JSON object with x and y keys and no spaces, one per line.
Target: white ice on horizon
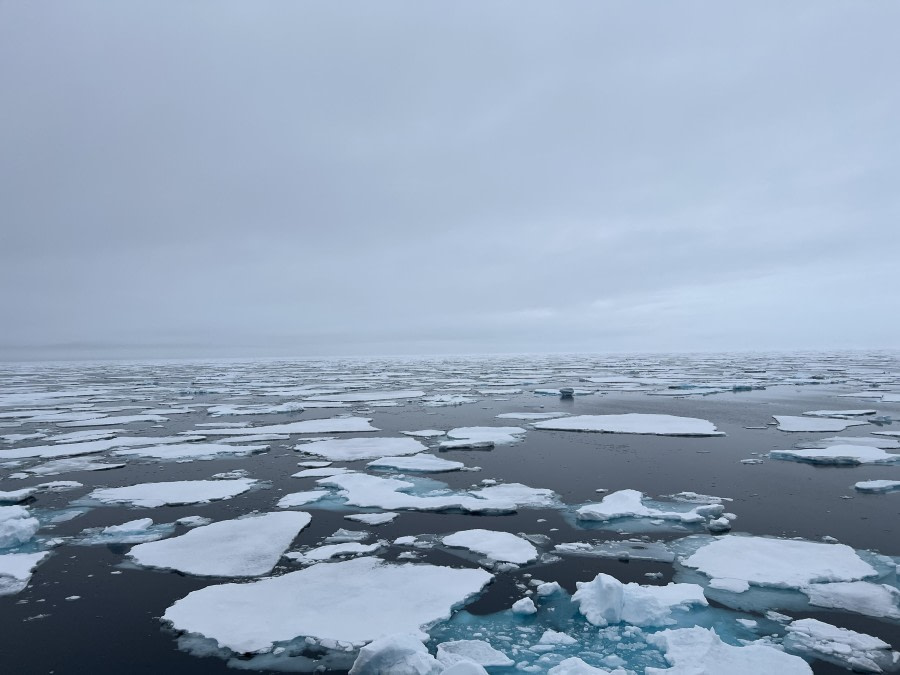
{"x":630,"y":504}
{"x":422,"y":462}
{"x":606,"y":600}
{"x":327,"y":602}
{"x":173,"y":493}
{"x":243,"y":547}
{"x":329,"y":425}
{"x":838,"y":454}
{"x":778,"y":563}
{"x":633,"y":423}
{"x":498,"y":546}
{"x":700,"y":651}
{"x":795,"y":423}
{"x":353,"y":449}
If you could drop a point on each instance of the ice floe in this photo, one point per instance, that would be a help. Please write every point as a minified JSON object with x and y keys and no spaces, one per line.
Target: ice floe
{"x":477,"y":651}
{"x":355,"y":601}
{"x":296,"y":499}
{"x":330,"y":425}
{"x":17,"y":525}
{"x":425,"y":433}
{"x":171,"y":493}
{"x":353,"y":449}
{"x":838,"y":454}
{"x":495,"y":435}
{"x":243,"y":547}
{"x":811,"y":424}
{"x":16,"y":570}
{"x":497,"y":546}
{"x":329,"y":551}
{"x":854,"y":651}
{"x":860,"y":597}
{"x":528,"y":416}
{"x":876,"y":486}
{"x":366,"y":396}
{"x":192,"y":451}
{"x":631,"y":504}
{"x":633,"y":423}
{"x":606,"y":600}
{"x":373,"y":518}
{"x":422,"y":462}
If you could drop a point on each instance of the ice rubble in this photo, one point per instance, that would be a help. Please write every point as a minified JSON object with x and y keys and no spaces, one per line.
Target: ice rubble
{"x":16,"y":570}
{"x":876,"y":486}
{"x":633,"y":423}
{"x":700,"y":651}
{"x":171,"y":493}
{"x":606,"y":600}
{"x":133,"y":532}
{"x":243,"y":547}
{"x":354,"y":601}
{"x":401,"y":654}
{"x":193,"y":451}
{"x":855,"y":651}
{"x":353,"y":449}
{"x":630,"y":504}
{"x":838,"y":454}
{"x":497,"y":546}
{"x":810,"y":424}
{"x":423,"y":462}
{"x":17,"y":526}
{"x":329,"y":425}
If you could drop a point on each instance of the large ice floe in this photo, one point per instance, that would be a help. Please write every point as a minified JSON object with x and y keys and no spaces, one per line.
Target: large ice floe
{"x":809,"y":424}
{"x":350,"y":602}
{"x":243,"y":547}
{"x":172,"y":493}
{"x":877,"y":486}
{"x":497,"y":546}
{"x":352,"y":449}
{"x":839,"y":454}
{"x":633,"y":423}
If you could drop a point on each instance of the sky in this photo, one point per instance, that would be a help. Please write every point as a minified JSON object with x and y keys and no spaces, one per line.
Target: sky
{"x":281,"y":178}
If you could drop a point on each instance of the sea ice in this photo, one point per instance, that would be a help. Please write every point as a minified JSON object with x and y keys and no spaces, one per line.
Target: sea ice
{"x":854,"y":651}
{"x":861,"y":597}
{"x":423,"y":462}
{"x":528,"y":416}
{"x":524,"y":607}
{"x":193,"y":451}
{"x":478,"y":651}
{"x":330,"y":551}
{"x":16,"y":570}
{"x":243,"y":547}
{"x":58,"y":466}
{"x":778,"y":563}
{"x":353,"y":601}
{"x":811,"y":424}
{"x":521,"y":495}
{"x":373,"y":518}
{"x":17,"y":526}
{"x":425,"y":433}
{"x":300,"y":498}
{"x":496,"y":435}
{"x":115,"y":421}
{"x":839,"y":413}
{"x":352,"y":449}
{"x":633,"y":423}
{"x":838,"y":454}
{"x":329,"y":425}
{"x":498,"y":546}
{"x":700,"y":651}
{"x":874,"y":486}
{"x":321,"y":472}
{"x":606,"y":600}
{"x":402,"y":654}
{"x":365,"y":396}
{"x":630,"y":504}
{"x":151,"y":495}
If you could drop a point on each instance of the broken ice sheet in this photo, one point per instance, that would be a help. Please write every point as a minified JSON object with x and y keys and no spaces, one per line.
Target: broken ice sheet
{"x":132,"y":532}
{"x":182,"y":451}
{"x":243,"y":547}
{"x":330,"y":425}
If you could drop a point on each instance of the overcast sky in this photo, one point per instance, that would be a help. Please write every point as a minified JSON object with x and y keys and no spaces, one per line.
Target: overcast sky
{"x":326,"y":178}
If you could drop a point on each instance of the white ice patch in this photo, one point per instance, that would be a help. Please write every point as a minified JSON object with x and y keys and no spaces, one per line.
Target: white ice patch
{"x":521,"y":495}
{"x":402,"y":654}
{"x":634,"y":423}
{"x":353,"y":449}
{"x":498,"y":546}
{"x":373,"y":518}
{"x":321,"y":472}
{"x":91,"y":447}
{"x":778,"y":563}
{"x":854,"y":651}
{"x":839,"y":413}
{"x":354,"y":601}
{"x":17,"y":526}
{"x":424,"y":463}
{"x":58,"y":466}
{"x":16,"y":496}
{"x":330,"y":551}
{"x":16,"y":570}
{"x":700,"y":651}
{"x":115,"y":421}
{"x":811,"y":424}
{"x":244,"y":547}
{"x":477,"y":651}
{"x":838,"y":454}
{"x":255,"y":409}
{"x":193,"y":451}
{"x":364,"y":396}
{"x":495,"y":435}
{"x":529,"y":416}
{"x":877,"y":486}
{"x":300,"y":498}
{"x":630,"y":504}
{"x":606,"y":600}
{"x":172,"y":493}
{"x":425,"y":433}
{"x":861,"y":597}
{"x":330,"y":425}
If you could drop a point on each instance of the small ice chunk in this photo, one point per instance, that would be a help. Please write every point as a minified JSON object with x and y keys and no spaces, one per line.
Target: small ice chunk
{"x":314,"y":464}
{"x":139,"y":525}
{"x":838,"y":454}
{"x":549,"y":588}
{"x":875,"y":486}
{"x":194,"y":521}
{"x":862,"y":597}
{"x":499,"y":546}
{"x":16,"y":570}
{"x":321,"y":472}
{"x":552,"y":637}
{"x":732,"y":585}
{"x":575,"y":666}
{"x":425,"y":433}
{"x":373,"y":518}
{"x":477,"y":651}
{"x":16,"y":526}
{"x":629,"y":504}
{"x":16,"y":496}
{"x":497,"y":435}
{"x":300,"y":498}
{"x":330,"y":551}
{"x":524,"y":607}
{"x":401,"y":654}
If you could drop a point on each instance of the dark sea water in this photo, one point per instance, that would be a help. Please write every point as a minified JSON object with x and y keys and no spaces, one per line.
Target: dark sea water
{"x":114,"y":626}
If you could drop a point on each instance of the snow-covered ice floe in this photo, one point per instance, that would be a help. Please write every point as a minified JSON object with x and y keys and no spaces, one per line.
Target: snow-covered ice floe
{"x":353,"y":449}
{"x":854,"y":651}
{"x":330,"y":425}
{"x":475,"y":437}
{"x":633,"y":423}
{"x":423,"y":462}
{"x":838,"y":454}
{"x":193,"y":451}
{"x":606,"y":600}
{"x":350,"y":602}
{"x":17,"y":526}
{"x":373,"y":518}
{"x":497,"y":546}
{"x":876,"y":486}
{"x":16,"y":570}
{"x":171,"y":493}
{"x":243,"y":547}
{"x":632,"y":504}
{"x":296,"y":499}
{"x":133,"y":532}
{"x":810,"y":424}
{"x":530,"y":416}
{"x":366,"y":396}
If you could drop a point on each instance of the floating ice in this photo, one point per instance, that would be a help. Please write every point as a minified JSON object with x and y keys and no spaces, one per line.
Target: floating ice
{"x":839,"y":413}
{"x":496,"y":435}
{"x":498,"y":546}
{"x":425,"y":433}
{"x":700,"y":651}
{"x":477,"y":651}
{"x":330,"y":425}
{"x":300,"y":498}
{"x":321,"y":472}
{"x":884,"y":443}
{"x":16,"y":570}
{"x":838,"y":454}
{"x":634,"y":423}
{"x":17,"y":526}
{"x":519,"y":494}
{"x":854,"y":651}
{"x":16,"y":496}
{"x":524,"y":607}
{"x":114,"y":421}
{"x":243,"y":547}
{"x":861,"y":597}
{"x":619,"y":550}
{"x":466,"y":445}
{"x":778,"y":563}
{"x":330,"y":551}
{"x":575,"y":666}
{"x":527,"y":416}
{"x":133,"y":532}
{"x":255,"y":409}
{"x":58,"y":466}
{"x":352,"y":449}
{"x":875,"y":486}
{"x":172,"y":493}
{"x":92,"y":447}
{"x":422,"y":462}
{"x":630,"y":504}
{"x":373,"y":518}
{"x":810,"y":424}
{"x":606,"y":600}
{"x":364,"y":396}
{"x":193,"y":451}
{"x":403,"y":654}
{"x":354,"y":601}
